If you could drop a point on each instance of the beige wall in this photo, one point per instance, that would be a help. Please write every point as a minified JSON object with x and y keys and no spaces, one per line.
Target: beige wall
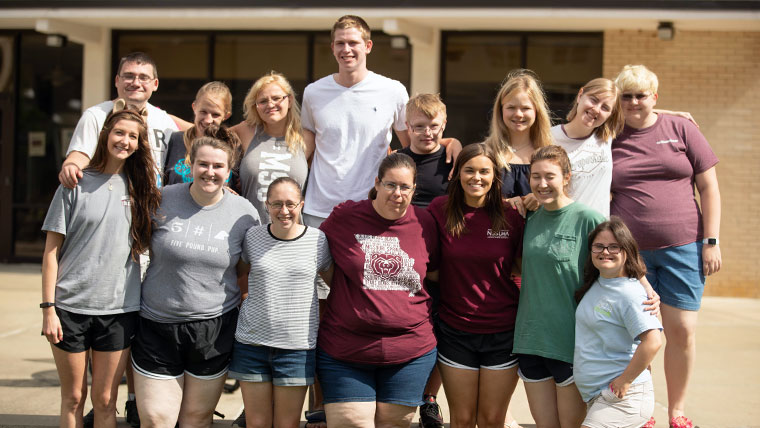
{"x":716,"y":77}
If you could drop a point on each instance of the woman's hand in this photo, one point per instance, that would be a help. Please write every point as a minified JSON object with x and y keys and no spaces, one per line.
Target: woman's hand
{"x":517,"y":203}
{"x":711,"y":259}
{"x":530,"y":202}
{"x":619,"y":387}
{"x":51,"y":325}
{"x":652,"y":303}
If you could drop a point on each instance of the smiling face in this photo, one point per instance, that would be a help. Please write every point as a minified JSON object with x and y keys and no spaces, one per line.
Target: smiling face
{"x":210,"y":169}
{"x":350,"y":49}
{"x":518,"y":112}
{"x":123,"y":140}
{"x":594,"y":109}
{"x":284,"y":205}
{"x":609,"y":265}
{"x":425,"y":133}
{"x":208,"y":111}
{"x":638,"y":107}
{"x":392,"y":204}
{"x":548,"y":184}
{"x":136,"y":83}
{"x":476,"y":177}
{"x":272,"y":104}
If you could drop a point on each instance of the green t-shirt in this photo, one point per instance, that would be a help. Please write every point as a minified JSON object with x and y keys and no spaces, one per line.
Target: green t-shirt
{"x":555,"y":248}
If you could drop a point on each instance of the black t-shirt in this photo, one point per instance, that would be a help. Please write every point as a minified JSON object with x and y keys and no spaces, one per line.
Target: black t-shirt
{"x":432,"y":175}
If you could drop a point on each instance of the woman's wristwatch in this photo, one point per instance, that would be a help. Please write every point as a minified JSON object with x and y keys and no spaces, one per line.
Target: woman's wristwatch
{"x":710,"y":241}
{"x":44,"y":305}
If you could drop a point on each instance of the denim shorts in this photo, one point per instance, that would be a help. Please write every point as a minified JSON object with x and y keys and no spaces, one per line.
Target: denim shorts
{"x":676,"y":275}
{"x":282,"y":367}
{"x":403,"y":384}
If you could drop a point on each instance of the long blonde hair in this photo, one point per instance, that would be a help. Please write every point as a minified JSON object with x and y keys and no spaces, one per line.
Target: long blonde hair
{"x":293,"y":132}
{"x":540,"y":132}
{"x":614,"y":124}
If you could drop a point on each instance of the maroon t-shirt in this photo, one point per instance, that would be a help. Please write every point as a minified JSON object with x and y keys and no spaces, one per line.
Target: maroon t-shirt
{"x":653,"y":173}
{"x":377,"y":311}
{"x":477,"y":293}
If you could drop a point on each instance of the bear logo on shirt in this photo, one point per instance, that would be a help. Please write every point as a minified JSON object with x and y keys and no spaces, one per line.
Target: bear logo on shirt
{"x":387,"y":266}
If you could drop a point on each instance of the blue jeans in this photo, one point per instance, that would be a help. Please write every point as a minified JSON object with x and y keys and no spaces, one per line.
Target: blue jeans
{"x":282,"y":367}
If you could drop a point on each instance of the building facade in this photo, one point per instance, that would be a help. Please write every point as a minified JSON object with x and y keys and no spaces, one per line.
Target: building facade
{"x":58,"y":58}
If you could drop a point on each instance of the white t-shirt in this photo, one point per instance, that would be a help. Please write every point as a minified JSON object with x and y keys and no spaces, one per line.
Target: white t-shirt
{"x":591,"y":164}
{"x":85,"y":138}
{"x":352,"y":128}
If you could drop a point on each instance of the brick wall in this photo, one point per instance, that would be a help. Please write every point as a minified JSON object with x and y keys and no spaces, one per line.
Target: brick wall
{"x":716,"y":77}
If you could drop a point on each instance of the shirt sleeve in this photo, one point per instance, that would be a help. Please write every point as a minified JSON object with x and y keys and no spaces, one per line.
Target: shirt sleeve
{"x":324,"y":259}
{"x":59,"y":212}
{"x":635,"y":319}
{"x":85,"y":137}
{"x":400,"y":116}
{"x":307,"y":119}
{"x":698,"y":150}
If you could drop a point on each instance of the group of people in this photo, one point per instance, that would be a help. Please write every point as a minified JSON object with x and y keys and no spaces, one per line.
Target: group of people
{"x":292,"y":250}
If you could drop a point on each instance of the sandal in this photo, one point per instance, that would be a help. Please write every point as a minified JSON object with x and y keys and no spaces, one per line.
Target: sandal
{"x":649,"y":424}
{"x":316,"y":417}
{"x":681,"y":422}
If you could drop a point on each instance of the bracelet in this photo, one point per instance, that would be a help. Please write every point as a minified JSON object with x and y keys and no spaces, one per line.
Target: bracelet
{"x":710,"y":241}
{"x":46,"y":304}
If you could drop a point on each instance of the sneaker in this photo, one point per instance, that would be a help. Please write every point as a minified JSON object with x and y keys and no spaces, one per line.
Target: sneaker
{"x":430,"y":414}
{"x":89,"y":419}
{"x":240,"y":421}
{"x":130,"y":414}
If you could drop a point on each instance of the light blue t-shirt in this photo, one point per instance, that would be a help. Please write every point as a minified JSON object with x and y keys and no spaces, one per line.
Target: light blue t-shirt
{"x":608,"y":322}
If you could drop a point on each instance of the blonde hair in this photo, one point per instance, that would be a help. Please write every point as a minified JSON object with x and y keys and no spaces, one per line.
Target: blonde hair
{"x":614,"y":124}
{"x":540,"y":132}
{"x":637,"y":78}
{"x":219,"y":94}
{"x":351,"y":21}
{"x":428,"y":104}
{"x":293,"y":132}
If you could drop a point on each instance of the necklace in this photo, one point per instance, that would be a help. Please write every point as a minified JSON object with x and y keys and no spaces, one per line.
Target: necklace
{"x":515,"y":149}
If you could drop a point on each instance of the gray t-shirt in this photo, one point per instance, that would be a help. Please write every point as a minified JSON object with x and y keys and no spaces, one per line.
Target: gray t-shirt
{"x":282,"y":309}
{"x":96,"y":273}
{"x":266,"y":160}
{"x":194,"y":252}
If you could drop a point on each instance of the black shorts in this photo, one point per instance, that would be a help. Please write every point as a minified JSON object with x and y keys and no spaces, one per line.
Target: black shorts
{"x":472,"y":351}
{"x":200,"y":348}
{"x":102,"y":333}
{"x":534,"y":368}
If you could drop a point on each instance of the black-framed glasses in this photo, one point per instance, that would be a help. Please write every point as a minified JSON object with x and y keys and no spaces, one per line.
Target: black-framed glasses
{"x":599,"y":248}
{"x":142,"y":78}
{"x":391,"y":187}
{"x":630,"y":97}
{"x":277,"y":206}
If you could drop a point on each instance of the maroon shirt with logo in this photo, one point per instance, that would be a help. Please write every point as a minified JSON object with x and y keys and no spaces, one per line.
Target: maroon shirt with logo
{"x":653,"y":173}
{"x":377,"y":311}
{"x":477,"y":293}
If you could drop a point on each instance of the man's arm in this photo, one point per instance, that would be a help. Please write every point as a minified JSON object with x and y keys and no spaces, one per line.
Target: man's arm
{"x":71,"y":171}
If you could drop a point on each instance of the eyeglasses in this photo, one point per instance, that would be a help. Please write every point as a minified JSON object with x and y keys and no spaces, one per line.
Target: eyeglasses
{"x":276,"y":100}
{"x":599,"y":248}
{"x":277,"y":206}
{"x":391,"y":187}
{"x":630,"y":97}
{"x":142,"y":78}
{"x":421,"y":130}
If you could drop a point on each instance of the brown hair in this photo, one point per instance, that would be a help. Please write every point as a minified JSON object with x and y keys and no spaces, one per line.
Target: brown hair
{"x":555,"y":154}
{"x":455,"y":222}
{"x":293,"y":131}
{"x":393,"y":161}
{"x":140,"y":170}
{"x":138,"y":58}
{"x":219,"y":138}
{"x":634,"y":266}
{"x":608,"y":130}
{"x":284,"y":180}
{"x":351,"y":21}
{"x":540,"y":132}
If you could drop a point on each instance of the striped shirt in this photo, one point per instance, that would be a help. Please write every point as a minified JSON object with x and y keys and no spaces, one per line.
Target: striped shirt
{"x":281,"y":310}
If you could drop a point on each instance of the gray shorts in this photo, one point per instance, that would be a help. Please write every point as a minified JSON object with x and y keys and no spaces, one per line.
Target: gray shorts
{"x":633,"y":410}
{"x":315,"y":221}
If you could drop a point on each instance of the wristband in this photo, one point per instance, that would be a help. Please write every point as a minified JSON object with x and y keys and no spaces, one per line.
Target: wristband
{"x":710,"y":241}
{"x":46,"y":304}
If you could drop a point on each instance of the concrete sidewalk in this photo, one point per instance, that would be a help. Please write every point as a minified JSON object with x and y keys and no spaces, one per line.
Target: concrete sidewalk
{"x":724,"y":392}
